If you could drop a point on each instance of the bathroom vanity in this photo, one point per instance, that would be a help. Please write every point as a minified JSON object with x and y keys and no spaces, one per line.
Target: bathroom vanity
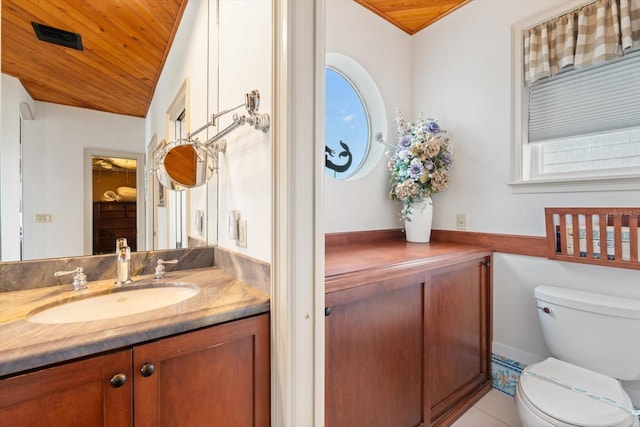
{"x":192,"y":363}
{"x":408,"y":332}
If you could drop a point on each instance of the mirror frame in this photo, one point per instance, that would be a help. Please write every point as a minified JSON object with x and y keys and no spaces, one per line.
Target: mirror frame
{"x":141,"y":231}
{"x":203,"y":156}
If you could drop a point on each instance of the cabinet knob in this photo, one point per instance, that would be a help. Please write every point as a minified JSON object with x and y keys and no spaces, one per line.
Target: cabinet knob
{"x":147,"y":370}
{"x":327,"y":311}
{"x":118,"y":380}
{"x":486,"y":264}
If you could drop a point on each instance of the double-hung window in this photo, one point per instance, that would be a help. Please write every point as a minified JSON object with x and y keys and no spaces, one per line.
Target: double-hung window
{"x":577,"y":99}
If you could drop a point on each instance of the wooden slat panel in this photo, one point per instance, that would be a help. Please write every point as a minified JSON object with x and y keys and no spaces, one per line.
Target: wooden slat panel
{"x":633,"y":238}
{"x":589,"y":222}
{"x":614,"y":218}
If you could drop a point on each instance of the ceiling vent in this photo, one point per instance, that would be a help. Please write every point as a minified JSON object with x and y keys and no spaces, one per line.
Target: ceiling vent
{"x":57,"y":36}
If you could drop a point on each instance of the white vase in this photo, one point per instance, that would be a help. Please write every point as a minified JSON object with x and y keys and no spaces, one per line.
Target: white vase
{"x":418,"y":229}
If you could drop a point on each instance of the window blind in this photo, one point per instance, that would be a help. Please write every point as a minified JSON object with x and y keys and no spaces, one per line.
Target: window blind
{"x":583,"y":102}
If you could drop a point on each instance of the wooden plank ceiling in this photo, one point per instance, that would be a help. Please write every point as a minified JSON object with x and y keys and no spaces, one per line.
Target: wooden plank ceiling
{"x":412,"y":16}
{"x":125,"y":44}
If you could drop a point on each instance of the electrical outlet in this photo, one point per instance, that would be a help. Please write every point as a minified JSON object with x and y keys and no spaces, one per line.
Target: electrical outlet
{"x":40,"y":218}
{"x":242,"y":234}
{"x":461,"y":221}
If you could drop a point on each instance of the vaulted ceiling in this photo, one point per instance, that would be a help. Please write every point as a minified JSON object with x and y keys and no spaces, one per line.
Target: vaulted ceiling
{"x":412,"y":16}
{"x":125,"y":45}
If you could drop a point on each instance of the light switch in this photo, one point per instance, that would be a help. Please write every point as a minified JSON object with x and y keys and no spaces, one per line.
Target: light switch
{"x":234,"y":216}
{"x":242,"y":234}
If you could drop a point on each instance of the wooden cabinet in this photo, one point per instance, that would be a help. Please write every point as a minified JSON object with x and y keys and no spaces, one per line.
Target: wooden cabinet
{"x":213,"y":376}
{"x":457,"y":301}
{"x":72,"y":394}
{"x":218,"y":376}
{"x":410,"y":349}
{"x":374,"y":355}
{"x":110,"y":221}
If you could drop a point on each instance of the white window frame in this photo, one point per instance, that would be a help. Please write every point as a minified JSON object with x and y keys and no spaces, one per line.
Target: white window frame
{"x":522,"y":179}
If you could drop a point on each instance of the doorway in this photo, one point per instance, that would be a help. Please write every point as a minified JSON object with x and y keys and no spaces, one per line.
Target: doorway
{"x":114,"y":200}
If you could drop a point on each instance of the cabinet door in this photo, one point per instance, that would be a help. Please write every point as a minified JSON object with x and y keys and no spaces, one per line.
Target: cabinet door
{"x":218,"y":376}
{"x":374,"y":355}
{"x":72,"y":394}
{"x":457,"y":301}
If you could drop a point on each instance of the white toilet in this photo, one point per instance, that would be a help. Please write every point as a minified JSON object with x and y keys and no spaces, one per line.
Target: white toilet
{"x":595,"y":341}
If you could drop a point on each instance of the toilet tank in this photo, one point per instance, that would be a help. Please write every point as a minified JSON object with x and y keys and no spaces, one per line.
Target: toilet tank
{"x":595,"y":331}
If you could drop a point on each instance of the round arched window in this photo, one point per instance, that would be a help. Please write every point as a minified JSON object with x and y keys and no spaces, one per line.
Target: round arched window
{"x":346,"y":127}
{"x":354,"y":119}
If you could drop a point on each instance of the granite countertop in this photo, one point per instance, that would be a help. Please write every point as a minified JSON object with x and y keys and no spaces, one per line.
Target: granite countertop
{"x":25,"y":345}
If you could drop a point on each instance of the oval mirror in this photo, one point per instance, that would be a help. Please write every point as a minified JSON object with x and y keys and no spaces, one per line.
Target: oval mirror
{"x":185,"y":164}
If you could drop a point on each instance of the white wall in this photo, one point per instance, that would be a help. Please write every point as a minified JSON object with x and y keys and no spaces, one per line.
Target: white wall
{"x":244,"y":64}
{"x":385,"y":52}
{"x":458,"y":70}
{"x":53,"y":171}
{"x":12,"y":95}
{"x":516,"y":333}
{"x":246,"y":168}
{"x":190,"y":63}
{"x":462,"y":77}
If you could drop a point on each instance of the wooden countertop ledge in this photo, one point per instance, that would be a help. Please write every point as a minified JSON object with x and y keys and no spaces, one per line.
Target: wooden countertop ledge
{"x":358,"y":263}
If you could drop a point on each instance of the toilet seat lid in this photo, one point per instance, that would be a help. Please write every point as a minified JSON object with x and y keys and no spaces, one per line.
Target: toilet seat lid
{"x":568,"y":405}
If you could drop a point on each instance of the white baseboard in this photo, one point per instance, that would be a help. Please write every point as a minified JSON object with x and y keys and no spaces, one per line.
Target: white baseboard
{"x":515,"y":354}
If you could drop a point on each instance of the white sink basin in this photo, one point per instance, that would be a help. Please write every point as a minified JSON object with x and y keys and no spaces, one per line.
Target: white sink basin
{"x":116,"y":304}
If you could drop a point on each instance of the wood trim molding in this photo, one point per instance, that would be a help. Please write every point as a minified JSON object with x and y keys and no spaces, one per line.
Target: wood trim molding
{"x":339,"y":239}
{"x":504,"y":243}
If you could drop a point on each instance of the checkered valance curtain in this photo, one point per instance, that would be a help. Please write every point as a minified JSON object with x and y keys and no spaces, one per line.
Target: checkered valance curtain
{"x":597,"y":32}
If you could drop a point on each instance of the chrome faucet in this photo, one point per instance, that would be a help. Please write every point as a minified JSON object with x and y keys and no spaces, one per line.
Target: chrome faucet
{"x":79,"y":278}
{"x":123,"y":262}
{"x":160,"y":270}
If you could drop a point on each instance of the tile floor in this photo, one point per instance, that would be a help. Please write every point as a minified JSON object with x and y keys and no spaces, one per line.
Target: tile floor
{"x":495,"y":409}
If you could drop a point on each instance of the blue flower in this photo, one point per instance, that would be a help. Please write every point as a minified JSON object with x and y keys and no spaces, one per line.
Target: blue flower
{"x":415,"y":169}
{"x":404,"y":141}
{"x":432,"y":126}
